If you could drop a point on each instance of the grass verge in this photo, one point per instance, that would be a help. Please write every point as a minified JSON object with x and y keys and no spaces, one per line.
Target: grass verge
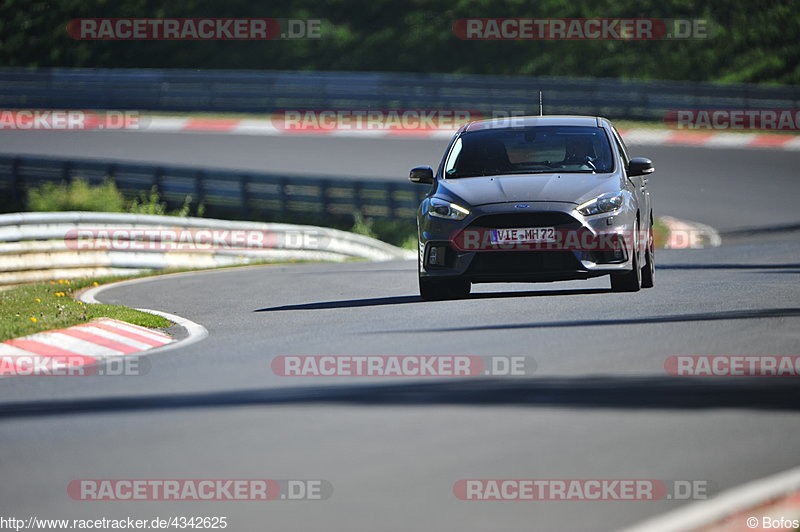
{"x":52,"y":305}
{"x":660,"y":233}
{"x":41,"y":307}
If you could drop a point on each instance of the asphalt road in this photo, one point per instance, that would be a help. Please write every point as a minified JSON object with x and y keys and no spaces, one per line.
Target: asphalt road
{"x":599,"y":406}
{"x":728,"y":189}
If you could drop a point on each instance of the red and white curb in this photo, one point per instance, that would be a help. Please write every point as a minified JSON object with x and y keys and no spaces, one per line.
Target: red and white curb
{"x":63,"y":352}
{"x":642,"y":137}
{"x":194,"y":331}
{"x":737,"y":510}
{"x":666,"y":137}
{"x":74,"y":350}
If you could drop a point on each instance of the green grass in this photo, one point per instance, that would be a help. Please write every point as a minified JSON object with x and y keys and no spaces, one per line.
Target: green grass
{"x":18,"y":304}
{"x":41,"y":307}
{"x":660,"y":233}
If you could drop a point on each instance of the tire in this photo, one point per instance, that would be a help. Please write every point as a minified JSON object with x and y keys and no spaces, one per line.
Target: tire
{"x":442,"y":289}
{"x":629,"y":281}
{"x":649,"y":269}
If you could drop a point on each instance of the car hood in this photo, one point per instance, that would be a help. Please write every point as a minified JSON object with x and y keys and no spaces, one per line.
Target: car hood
{"x":566,"y":187}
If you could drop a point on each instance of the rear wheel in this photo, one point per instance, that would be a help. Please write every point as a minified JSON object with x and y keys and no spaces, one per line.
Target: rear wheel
{"x":629,"y":281}
{"x":432,"y":289}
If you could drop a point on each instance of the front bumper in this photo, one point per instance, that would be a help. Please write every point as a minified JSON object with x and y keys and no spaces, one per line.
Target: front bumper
{"x":589,"y":246}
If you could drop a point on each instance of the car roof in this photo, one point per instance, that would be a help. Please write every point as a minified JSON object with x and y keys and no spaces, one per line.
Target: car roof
{"x":530,"y":121}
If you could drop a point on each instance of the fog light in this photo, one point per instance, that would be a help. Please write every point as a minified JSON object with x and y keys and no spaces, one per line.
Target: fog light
{"x":436,"y":256}
{"x":618,"y":253}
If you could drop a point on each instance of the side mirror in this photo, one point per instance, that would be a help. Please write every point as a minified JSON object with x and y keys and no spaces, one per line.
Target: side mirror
{"x":640,"y":166}
{"x":422,"y":175}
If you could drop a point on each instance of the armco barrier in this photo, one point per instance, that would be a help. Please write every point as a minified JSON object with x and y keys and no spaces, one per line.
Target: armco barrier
{"x":52,"y":245}
{"x":267,"y":91}
{"x":224,"y":193}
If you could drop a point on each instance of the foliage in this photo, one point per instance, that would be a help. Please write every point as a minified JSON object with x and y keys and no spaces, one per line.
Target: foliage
{"x":363,"y":226}
{"x":78,"y":195}
{"x":752,"y":42}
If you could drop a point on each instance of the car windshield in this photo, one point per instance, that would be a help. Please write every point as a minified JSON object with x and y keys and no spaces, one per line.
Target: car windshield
{"x":530,"y":150}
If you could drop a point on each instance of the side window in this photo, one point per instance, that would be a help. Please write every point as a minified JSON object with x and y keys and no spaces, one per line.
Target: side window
{"x":622,"y":148}
{"x":450,"y":165}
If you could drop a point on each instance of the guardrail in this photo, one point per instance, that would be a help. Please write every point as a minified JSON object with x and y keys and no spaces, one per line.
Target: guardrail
{"x":267,"y":91}
{"x":224,"y":193}
{"x":37,"y":247}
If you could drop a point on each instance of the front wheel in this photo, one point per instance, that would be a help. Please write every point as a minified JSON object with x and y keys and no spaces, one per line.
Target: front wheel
{"x":629,"y":281}
{"x":432,"y":289}
{"x":649,"y":269}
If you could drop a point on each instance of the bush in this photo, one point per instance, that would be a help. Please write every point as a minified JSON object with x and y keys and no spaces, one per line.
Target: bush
{"x":150,"y":203}
{"x":147,"y":203}
{"x":400,"y":233}
{"x":78,"y":195}
{"x":363,"y":226}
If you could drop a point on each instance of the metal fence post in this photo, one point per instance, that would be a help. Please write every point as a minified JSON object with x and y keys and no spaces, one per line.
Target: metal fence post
{"x":15,"y":183}
{"x":283,"y":183}
{"x":324,"y":196}
{"x":391,"y":201}
{"x":66,"y":175}
{"x":357,"y":200}
{"x":199,"y":186}
{"x":244,"y":194}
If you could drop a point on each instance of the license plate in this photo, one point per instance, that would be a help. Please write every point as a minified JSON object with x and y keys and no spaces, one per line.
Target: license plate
{"x":526,"y":235}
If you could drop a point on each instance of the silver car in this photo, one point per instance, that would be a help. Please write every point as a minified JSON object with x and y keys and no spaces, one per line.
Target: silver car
{"x":532,"y":199}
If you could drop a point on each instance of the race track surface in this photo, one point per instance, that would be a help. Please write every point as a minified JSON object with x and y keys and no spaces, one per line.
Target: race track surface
{"x":599,"y":406}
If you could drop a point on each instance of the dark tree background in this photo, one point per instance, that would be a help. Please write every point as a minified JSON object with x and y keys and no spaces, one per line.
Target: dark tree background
{"x":753,"y":41}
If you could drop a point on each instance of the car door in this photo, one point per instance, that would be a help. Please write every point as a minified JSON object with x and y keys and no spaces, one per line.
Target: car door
{"x":638,"y":183}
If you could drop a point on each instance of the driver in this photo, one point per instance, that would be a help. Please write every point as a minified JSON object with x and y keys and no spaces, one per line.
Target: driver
{"x":579,"y":151}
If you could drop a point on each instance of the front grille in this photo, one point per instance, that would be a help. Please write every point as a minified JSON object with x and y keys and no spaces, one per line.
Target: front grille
{"x":521,"y":262}
{"x":525,"y":219}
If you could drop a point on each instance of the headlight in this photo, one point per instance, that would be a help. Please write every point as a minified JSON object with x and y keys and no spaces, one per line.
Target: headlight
{"x":444,"y":209}
{"x":606,"y":203}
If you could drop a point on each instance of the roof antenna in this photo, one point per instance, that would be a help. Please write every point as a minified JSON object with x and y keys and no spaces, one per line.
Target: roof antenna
{"x":541,"y":109}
